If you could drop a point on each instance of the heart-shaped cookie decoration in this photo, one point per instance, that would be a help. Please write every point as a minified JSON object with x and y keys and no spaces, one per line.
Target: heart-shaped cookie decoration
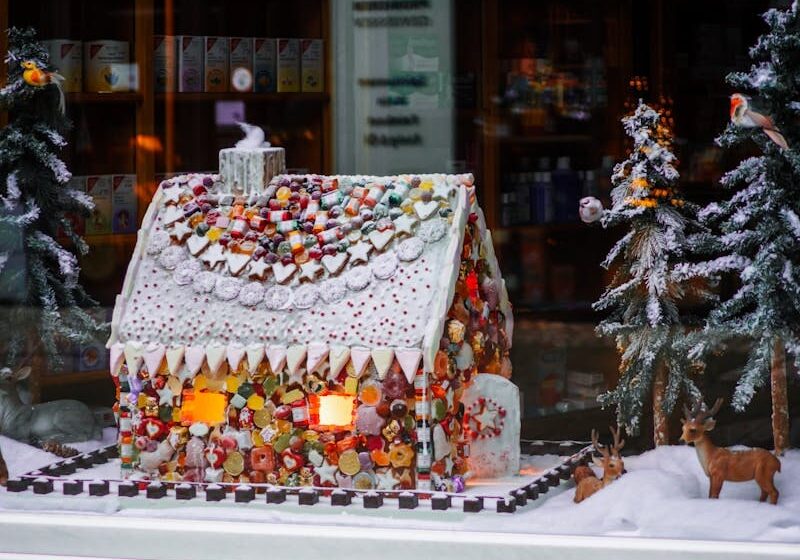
{"x":196,"y":244}
{"x":171,"y":215}
{"x":334,"y":263}
{"x":283,"y":272}
{"x":380,"y":239}
{"x":425,"y":209}
{"x":237,"y":262}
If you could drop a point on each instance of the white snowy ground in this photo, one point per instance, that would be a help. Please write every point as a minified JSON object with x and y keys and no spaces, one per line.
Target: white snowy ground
{"x":662,"y":495}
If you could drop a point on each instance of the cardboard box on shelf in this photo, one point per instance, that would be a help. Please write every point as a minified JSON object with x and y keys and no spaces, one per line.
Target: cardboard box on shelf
{"x":190,"y":63}
{"x":288,"y":65}
{"x":124,"y":204}
{"x":265,"y":55}
{"x":99,"y":188}
{"x":215,"y":64}
{"x":93,"y":356}
{"x":312,"y":65}
{"x":165,"y":63}
{"x":107,"y":66}
{"x":66,"y":56}
{"x":240,"y":60}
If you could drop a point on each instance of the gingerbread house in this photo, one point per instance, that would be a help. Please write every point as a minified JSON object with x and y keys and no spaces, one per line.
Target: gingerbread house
{"x":313,"y":330}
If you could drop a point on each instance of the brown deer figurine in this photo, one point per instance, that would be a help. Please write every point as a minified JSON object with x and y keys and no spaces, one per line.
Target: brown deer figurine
{"x":611,"y":463}
{"x":722,"y":464}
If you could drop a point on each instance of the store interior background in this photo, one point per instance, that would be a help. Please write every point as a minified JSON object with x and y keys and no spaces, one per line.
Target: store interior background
{"x":535,"y":93}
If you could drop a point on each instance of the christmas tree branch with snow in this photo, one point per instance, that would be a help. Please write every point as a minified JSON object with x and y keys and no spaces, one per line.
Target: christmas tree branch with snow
{"x":642,"y":301}
{"x":756,"y":232}
{"x":39,"y":276}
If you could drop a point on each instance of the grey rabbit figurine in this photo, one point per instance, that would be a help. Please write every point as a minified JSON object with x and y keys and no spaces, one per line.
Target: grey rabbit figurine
{"x":62,"y":421}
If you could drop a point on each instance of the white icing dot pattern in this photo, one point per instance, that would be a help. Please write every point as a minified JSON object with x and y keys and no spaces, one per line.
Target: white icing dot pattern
{"x":171,"y":256}
{"x":227,"y":289}
{"x":252,"y":294}
{"x":278,"y":298}
{"x":305,"y":296}
{"x":333,"y":290}
{"x":385,"y":265}
{"x":159,"y":241}
{"x":410,"y":249}
{"x":204,"y":282}
{"x":358,"y":278}
{"x":432,"y":230}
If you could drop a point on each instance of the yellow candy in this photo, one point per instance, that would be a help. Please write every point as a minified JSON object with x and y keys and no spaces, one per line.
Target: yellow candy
{"x":232,"y":384}
{"x":415,"y":194}
{"x":310,"y":435}
{"x":262,"y":418}
{"x":351,"y":385}
{"x":141,"y":401}
{"x":291,"y":396}
{"x":426,"y":185}
{"x":283,"y":426}
{"x":213,"y":234}
{"x":255,"y":402}
{"x":200,"y":382}
{"x":407,"y":206}
{"x":258,"y":439}
{"x":176,"y":414}
{"x":283,"y":193}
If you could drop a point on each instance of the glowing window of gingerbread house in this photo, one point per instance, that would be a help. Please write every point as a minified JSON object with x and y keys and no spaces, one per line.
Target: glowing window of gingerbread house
{"x":332,"y":412}
{"x":208,"y":408}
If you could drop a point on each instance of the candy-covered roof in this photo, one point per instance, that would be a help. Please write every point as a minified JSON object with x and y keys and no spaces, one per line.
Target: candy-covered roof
{"x":357,"y":261}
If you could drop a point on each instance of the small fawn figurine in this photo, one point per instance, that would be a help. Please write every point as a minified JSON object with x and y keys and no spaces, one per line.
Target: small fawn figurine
{"x":611,"y":463}
{"x":722,"y":464}
{"x":57,"y":421}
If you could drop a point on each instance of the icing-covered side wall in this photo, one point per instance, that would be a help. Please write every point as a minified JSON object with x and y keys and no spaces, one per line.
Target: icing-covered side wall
{"x":476,"y":339}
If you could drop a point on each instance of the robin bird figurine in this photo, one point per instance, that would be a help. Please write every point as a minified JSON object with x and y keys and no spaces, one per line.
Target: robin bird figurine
{"x":742,"y":115}
{"x":36,"y":77}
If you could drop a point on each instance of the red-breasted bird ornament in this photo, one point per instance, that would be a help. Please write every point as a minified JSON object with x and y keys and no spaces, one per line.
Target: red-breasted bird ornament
{"x":743,"y":115}
{"x":36,"y":77}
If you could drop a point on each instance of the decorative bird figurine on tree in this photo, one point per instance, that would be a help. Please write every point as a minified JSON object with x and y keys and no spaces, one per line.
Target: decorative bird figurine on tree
{"x":742,"y":115}
{"x":37,"y":77}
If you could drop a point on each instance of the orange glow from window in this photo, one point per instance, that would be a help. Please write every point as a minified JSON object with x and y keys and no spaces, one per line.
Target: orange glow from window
{"x":203,"y":407}
{"x":332,"y":412}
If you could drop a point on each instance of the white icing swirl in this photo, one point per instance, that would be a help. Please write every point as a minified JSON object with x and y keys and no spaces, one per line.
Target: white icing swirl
{"x":305,"y":296}
{"x":358,"y":278}
{"x":251,"y":294}
{"x":384,"y":266}
{"x":278,"y":298}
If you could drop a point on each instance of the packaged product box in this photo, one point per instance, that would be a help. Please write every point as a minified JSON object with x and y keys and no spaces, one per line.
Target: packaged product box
{"x":240,"y":65}
{"x":265,"y":54}
{"x":190,"y":63}
{"x":99,"y":188}
{"x":312,"y":71}
{"x":66,"y":56}
{"x":123,"y":204}
{"x":76,"y":183}
{"x":215,"y":64}
{"x":288,"y":65}
{"x":106,"y":66}
{"x":165,"y":62}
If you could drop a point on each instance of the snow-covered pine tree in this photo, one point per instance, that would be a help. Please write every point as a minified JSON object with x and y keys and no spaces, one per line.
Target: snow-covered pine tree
{"x":38,"y":277}
{"x":642,"y":299}
{"x":757,"y":230}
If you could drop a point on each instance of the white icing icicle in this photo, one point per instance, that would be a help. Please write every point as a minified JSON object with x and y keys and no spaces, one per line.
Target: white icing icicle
{"x":153,"y":356}
{"x":175,"y":359}
{"x":382,"y":358}
{"x":255,"y":353}
{"x":134,"y":356}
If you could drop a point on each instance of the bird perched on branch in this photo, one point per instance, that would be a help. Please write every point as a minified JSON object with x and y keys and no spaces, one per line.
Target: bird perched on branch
{"x":742,"y":115}
{"x":37,"y":77}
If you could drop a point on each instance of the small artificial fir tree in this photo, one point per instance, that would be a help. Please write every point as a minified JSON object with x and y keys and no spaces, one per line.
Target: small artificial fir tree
{"x":38,"y":276}
{"x":642,"y":299}
{"x":756,"y":232}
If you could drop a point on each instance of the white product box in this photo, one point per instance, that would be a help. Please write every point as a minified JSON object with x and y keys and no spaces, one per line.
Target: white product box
{"x":288,"y":65}
{"x":99,"y":188}
{"x":106,"y":66}
{"x":240,"y":68}
{"x":215,"y":64}
{"x":165,"y":63}
{"x":190,"y":63}
{"x":312,"y":65}
{"x":66,"y":56}
{"x":265,"y":57}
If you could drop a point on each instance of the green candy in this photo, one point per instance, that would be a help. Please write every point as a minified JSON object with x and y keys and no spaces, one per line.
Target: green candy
{"x":439,"y":410}
{"x":246,"y":389}
{"x":269,"y":385}
{"x":281,"y":443}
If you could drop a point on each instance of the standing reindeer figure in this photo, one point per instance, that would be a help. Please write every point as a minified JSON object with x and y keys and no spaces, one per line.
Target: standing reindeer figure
{"x":722,"y":464}
{"x":611,"y":463}
{"x":57,"y":421}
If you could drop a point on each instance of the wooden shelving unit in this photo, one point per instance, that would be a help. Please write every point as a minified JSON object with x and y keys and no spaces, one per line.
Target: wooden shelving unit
{"x":151,"y":134}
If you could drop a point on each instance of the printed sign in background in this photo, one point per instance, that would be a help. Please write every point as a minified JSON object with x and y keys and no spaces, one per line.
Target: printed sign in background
{"x":393,"y":108}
